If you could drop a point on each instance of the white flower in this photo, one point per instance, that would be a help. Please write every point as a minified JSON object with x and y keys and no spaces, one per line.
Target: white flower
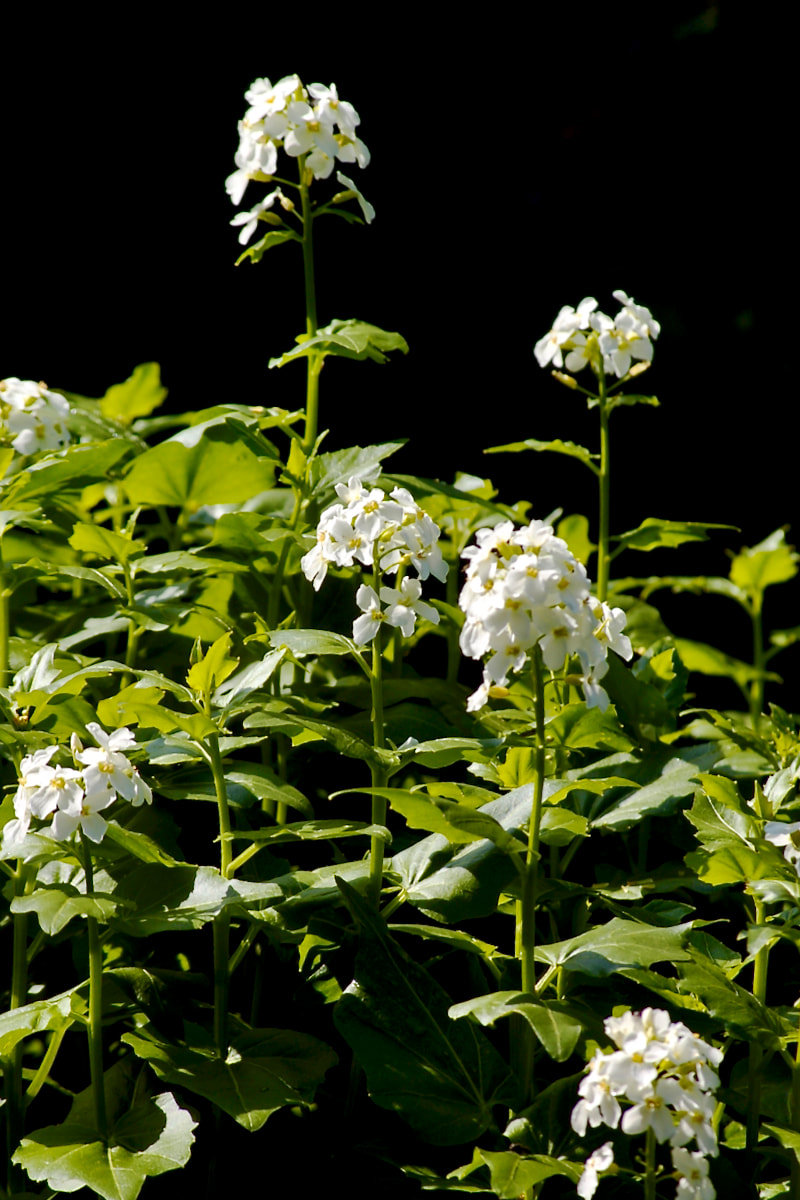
{"x":249,"y":220}
{"x":599,"y":1160}
{"x":405,"y":606}
{"x":32,"y":419}
{"x":84,"y":814}
{"x":365,"y":628}
{"x":106,"y":767}
{"x":693,"y":1182}
{"x":609,"y":346}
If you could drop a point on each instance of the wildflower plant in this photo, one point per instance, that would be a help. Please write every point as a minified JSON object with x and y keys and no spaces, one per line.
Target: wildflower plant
{"x":219,"y":631}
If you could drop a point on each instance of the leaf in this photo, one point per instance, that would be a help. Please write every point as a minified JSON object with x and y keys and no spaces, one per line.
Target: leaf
{"x":104,"y":543}
{"x":512,"y":1176}
{"x":457,"y":822}
{"x":741,"y":1013}
{"x":214,"y":462}
{"x":70,"y":470}
{"x":301,"y":831}
{"x":441,"y":1076}
{"x":37,"y":1017}
{"x":696,"y":656}
{"x":571,"y":449}
{"x":138,"y":396}
{"x":653,"y":533}
{"x":56,"y":904}
{"x":154,"y":1136}
{"x":553,"y":1023}
{"x":677,"y":778}
{"x":275,"y":237}
{"x":771,"y":561}
{"x":213,"y":668}
{"x":348,"y":339}
{"x":574,"y":529}
{"x":183,"y":897}
{"x":265,"y":1069}
{"x":311,"y":641}
{"x":618,"y":943}
{"x":139,"y":845}
{"x":326,"y":470}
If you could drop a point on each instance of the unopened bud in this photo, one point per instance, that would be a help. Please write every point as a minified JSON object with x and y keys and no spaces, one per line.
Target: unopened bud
{"x":497,"y":692}
{"x":287,"y":204}
{"x":342,"y":197}
{"x":639,"y":368}
{"x":567,"y":380}
{"x":270,"y":218}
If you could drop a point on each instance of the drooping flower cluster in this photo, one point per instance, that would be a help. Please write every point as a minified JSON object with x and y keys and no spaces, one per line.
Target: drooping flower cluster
{"x":523,"y":587}
{"x":583,"y":335}
{"x":667,"y":1074}
{"x":366,"y":526}
{"x":76,"y":796}
{"x":32,"y":418}
{"x":312,"y":121}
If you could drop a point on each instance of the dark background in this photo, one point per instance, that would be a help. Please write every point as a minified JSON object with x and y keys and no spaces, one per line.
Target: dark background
{"x":521,"y":160}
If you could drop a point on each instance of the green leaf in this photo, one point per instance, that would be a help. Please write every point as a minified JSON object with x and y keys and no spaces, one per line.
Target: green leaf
{"x":631,"y":398}
{"x":104,"y":543}
{"x":653,"y":533}
{"x":574,"y":529}
{"x":265,"y":1069}
{"x":138,"y":396}
{"x":741,"y":1013}
{"x":301,"y":831}
{"x":311,"y":641}
{"x":441,"y":1076}
{"x":183,"y":897}
{"x":275,"y":237}
{"x":56,"y":904}
{"x":38,"y":1017}
{"x":154,"y":1136}
{"x":213,"y":668}
{"x":571,"y":449}
{"x":677,"y":778}
{"x":457,"y":822}
{"x":618,"y":943}
{"x":696,"y":656}
{"x":138,"y":845}
{"x":512,"y":1176}
{"x":553,"y":1023}
{"x":771,"y":561}
{"x":348,"y":339}
{"x":326,"y":470}
{"x":70,"y":470}
{"x":215,"y":462}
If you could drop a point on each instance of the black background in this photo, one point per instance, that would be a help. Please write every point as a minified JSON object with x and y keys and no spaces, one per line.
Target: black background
{"x":521,"y":159}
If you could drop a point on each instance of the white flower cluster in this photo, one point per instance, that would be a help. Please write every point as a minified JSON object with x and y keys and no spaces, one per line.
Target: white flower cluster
{"x":525,"y":586}
{"x":31,"y":417}
{"x":76,"y":797}
{"x":668,"y":1075}
{"x":610,"y":344}
{"x":313,"y":122}
{"x":366,"y":526}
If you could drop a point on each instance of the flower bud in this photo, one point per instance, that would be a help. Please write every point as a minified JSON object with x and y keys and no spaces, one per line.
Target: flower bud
{"x":567,"y":380}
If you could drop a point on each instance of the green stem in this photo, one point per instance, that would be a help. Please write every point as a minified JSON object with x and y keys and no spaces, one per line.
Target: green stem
{"x":650,"y":1166}
{"x":756,"y":1053}
{"x":377,"y":771}
{"x":95,"y":1028}
{"x":759,"y":662}
{"x":605,"y":494}
{"x":5,"y":631}
{"x":222,"y":920}
{"x":314,"y":363}
{"x":794,"y":1190}
{"x":19,"y":993}
{"x":526,"y":909}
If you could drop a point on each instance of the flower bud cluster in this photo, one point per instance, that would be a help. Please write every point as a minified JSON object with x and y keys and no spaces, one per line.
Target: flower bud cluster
{"x":523,"y":587}
{"x":668,"y":1075}
{"x":75,"y":796}
{"x":583,"y":335}
{"x":32,"y":418}
{"x":368,"y":527}
{"x":312,"y":121}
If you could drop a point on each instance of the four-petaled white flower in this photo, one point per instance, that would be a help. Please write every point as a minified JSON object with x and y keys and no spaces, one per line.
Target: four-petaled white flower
{"x":599,"y":1160}
{"x":586,"y":336}
{"x":32,"y":419}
